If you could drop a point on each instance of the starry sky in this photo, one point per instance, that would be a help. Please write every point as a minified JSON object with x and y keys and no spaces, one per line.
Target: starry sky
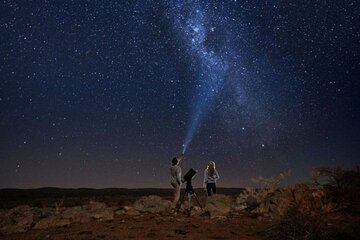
{"x":105,"y":93}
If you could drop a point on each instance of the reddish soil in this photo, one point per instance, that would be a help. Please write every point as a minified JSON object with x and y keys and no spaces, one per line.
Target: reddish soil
{"x":153,"y":226}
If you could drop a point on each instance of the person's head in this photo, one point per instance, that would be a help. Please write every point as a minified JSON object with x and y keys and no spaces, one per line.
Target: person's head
{"x":175,"y":161}
{"x":211,"y":168}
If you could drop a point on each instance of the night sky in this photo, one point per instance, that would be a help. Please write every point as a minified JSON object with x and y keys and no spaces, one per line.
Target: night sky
{"x":105,"y":93}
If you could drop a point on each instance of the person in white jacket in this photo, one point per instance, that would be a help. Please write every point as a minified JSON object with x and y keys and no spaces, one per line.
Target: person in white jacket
{"x":211,"y":175}
{"x":175,"y":171}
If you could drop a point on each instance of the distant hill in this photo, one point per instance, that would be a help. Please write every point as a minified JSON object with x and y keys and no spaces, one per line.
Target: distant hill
{"x":47,"y":196}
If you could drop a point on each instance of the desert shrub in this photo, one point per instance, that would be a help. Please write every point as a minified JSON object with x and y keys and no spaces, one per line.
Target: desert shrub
{"x":321,"y":213}
{"x":342,"y":186}
{"x":296,"y":225}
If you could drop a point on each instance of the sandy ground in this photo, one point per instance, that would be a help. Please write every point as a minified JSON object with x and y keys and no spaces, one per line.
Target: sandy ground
{"x":154,"y":226}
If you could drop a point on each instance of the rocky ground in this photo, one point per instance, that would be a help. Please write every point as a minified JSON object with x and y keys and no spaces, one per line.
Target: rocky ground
{"x":148,"y":217}
{"x":151,"y":226}
{"x":266,"y":213}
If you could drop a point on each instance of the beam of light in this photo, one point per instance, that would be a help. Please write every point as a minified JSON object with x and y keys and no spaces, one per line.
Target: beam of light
{"x":191,"y":22}
{"x":211,"y":78}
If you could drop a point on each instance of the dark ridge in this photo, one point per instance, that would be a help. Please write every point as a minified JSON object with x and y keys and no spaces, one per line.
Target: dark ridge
{"x":48,"y":196}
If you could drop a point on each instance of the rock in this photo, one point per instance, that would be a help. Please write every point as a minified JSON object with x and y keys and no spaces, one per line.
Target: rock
{"x":196,"y":209}
{"x":103,"y":214}
{"x":120,"y":212}
{"x":93,"y":206}
{"x":76,"y":214}
{"x":21,"y":225}
{"x":72,"y":213}
{"x":96,"y":210}
{"x":18,"y":219}
{"x":46,"y":212}
{"x":53,"y":221}
{"x":240,"y":207}
{"x":22,"y":218}
{"x":84,"y":214}
{"x":132,"y":212}
{"x":218,"y":205}
{"x":152,"y":204}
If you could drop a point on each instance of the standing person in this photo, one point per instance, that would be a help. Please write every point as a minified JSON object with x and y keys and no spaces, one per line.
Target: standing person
{"x":211,"y":175}
{"x":175,"y":181}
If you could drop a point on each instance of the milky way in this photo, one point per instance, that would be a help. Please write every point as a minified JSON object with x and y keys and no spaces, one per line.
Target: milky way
{"x":192,"y":24}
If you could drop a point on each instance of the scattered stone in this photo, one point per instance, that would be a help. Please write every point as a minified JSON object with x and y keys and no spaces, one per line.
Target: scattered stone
{"x":93,"y":206}
{"x":120,"y":212}
{"x":126,"y":208}
{"x":104,"y":214}
{"x":152,"y":204}
{"x":18,"y":219}
{"x":218,"y":205}
{"x":53,"y":221}
{"x":132,"y":212}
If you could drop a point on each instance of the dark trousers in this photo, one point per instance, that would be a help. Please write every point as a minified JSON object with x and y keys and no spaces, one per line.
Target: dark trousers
{"x":209,"y":187}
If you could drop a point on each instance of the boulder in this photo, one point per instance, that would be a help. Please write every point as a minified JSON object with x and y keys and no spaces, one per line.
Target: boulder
{"x":218,"y":205}
{"x":18,"y":219}
{"x":132,"y":212}
{"x":120,"y":212}
{"x":97,"y":210}
{"x":22,"y":224}
{"x":152,"y":204}
{"x":76,"y":214}
{"x":53,"y":221}
{"x":103,"y":214}
{"x":94,"y":206}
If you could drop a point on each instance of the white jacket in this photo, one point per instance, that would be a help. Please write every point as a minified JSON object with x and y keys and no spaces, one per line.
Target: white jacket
{"x":211,"y":179}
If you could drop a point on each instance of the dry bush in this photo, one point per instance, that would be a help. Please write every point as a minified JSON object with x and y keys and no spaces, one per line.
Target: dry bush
{"x":58,"y":206}
{"x":341,"y":186}
{"x":320,"y":213}
{"x":296,"y":225}
{"x":299,"y":225}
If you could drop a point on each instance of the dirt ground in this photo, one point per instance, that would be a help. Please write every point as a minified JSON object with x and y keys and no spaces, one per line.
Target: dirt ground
{"x":153,"y":226}
{"x":145,"y":226}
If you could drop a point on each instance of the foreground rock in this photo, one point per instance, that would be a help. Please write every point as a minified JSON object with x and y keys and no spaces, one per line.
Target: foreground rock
{"x":18,"y":219}
{"x":218,"y":206}
{"x":53,"y":221}
{"x":152,"y":204}
{"x":24,"y":218}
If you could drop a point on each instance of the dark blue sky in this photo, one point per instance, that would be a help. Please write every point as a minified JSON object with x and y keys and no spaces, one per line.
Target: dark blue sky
{"x":104,"y":93}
